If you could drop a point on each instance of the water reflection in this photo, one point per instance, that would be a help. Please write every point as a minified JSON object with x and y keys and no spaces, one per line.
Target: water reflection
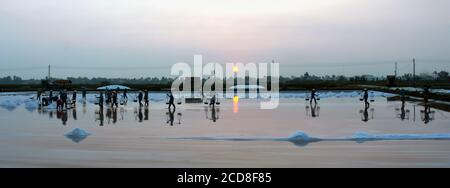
{"x":212,"y":113}
{"x":170,"y":116}
{"x":74,"y":113}
{"x":84,"y":106}
{"x":365,"y":113}
{"x":236,"y":104}
{"x":99,"y":116}
{"x":402,"y":113}
{"x":111,"y":114}
{"x":312,"y":110}
{"x":139,"y":116}
{"x":405,"y":112}
{"x":427,"y":115}
{"x":62,"y":115}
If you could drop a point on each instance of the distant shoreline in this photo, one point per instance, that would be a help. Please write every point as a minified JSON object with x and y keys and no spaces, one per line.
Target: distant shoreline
{"x":296,"y":86}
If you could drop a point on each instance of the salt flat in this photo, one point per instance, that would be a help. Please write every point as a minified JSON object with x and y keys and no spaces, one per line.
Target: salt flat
{"x":138,"y":137}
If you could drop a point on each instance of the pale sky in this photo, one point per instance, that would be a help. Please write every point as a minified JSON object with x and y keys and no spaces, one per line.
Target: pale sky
{"x":141,"y":38}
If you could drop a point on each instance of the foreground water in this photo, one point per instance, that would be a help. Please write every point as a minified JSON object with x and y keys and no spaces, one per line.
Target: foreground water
{"x":234,"y":134}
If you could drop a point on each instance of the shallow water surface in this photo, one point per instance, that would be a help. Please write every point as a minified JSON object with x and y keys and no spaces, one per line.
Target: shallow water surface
{"x":130,"y":136}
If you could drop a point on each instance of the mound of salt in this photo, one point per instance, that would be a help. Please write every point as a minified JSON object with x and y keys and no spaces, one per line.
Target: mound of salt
{"x":10,"y":103}
{"x":299,"y":135}
{"x":31,"y":105}
{"x":77,"y":135}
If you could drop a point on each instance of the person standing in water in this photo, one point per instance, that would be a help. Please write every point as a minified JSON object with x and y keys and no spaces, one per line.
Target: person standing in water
{"x":39,"y":93}
{"x":83,"y":94}
{"x":140,"y":98}
{"x":125,"y":97}
{"x":74,"y":97}
{"x":108,"y":96}
{"x":145,"y":97}
{"x":100,"y":100}
{"x":114,"y":99}
{"x":171,"y":100}
{"x":426,"y":94}
{"x":313,"y":96}
{"x":64,"y":98}
{"x":366,"y":98}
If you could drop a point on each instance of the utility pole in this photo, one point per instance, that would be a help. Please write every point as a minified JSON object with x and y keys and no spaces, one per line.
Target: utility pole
{"x":48,"y":78}
{"x":414,"y":72}
{"x":395,"y":73}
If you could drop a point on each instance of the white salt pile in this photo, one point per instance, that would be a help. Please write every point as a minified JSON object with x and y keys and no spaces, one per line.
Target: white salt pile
{"x":77,"y":135}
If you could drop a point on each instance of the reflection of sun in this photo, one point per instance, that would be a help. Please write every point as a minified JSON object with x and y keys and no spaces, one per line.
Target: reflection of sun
{"x":235,"y":69}
{"x":235,"y":104}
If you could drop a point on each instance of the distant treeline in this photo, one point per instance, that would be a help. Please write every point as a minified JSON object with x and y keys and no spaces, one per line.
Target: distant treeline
{"x":306,"y":81}
{"x":436,"y":76}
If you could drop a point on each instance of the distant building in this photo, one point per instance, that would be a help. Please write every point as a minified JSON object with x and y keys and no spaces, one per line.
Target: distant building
{"x":427,"y":76}
{"x":368,"y":77}
{"x":391,"y":79}
{"x":61,"y":84}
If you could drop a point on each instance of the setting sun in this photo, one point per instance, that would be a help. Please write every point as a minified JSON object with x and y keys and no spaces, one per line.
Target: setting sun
{"x":235,"y":69}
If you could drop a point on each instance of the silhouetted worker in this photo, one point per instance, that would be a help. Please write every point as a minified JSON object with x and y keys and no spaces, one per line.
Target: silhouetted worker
{"x":125,"y":94}
{"x":59,"y":104}
{"x":117,"y":92}
{"x":140,"y":98}
{"x":366,"y":98}
{"x":50,"y":96}
{"x":114,"y":99}
{"x":100,"y":101}
{"x":83,"y":94}
{"x":313,"y":96}
{"x":39,"y":93}
{"x":108,"y":96}
{"x":426,"y":94}
{"x":146,"y":97}
{"x":64,"y":98}
{"x":74,"y":97}
{"x":171,"y":100}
